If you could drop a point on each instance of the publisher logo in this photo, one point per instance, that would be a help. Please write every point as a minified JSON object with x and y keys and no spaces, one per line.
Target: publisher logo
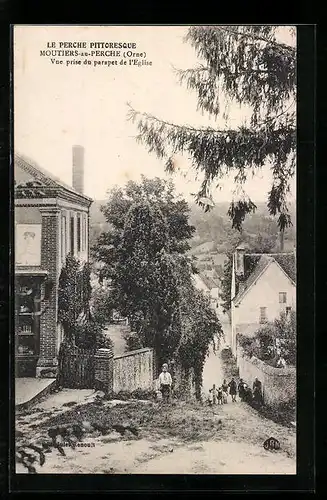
{"x":271,"y":444}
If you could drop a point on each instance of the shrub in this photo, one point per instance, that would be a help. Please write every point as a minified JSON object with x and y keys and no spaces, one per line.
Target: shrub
{"x":133,"y":341}
{"x":229,"y":364}
{"x":283,"y":413}
{"x":136,"y":394}
{"x":226,"y":353}
{"x":277,"y":339}
{"x":123,"y":395}
{"x":143,"y":394}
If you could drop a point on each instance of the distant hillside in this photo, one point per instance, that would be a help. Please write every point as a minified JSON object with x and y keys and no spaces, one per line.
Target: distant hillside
{"x":96,"y":216}
{"x":98,"y":222}
{"x":214,"y":229}
{"x":203,"y":248}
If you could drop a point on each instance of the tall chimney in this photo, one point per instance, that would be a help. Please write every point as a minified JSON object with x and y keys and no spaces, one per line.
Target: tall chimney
{"x":78,"y":169}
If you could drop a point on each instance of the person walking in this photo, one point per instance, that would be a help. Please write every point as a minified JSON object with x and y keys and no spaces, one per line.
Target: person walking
{"x":214,"y":394}
{"x":241,"y":389}
{"x":257,"y":391}
{"x":165,"y":383}
{"x":233,"y":389}
{"x":224,"y":387}
{"x":210,"y":397}
{"x":220,"y":396}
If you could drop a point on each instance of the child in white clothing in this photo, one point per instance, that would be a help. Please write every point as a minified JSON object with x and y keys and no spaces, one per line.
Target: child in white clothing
{"x":165,"y":382}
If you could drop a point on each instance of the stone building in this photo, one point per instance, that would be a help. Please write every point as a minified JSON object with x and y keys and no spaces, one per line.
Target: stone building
{"x":51,"y":220}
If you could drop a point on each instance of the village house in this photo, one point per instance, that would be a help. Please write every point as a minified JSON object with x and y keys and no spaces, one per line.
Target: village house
{"x":263,"y":286}
{"x":51,"y":220}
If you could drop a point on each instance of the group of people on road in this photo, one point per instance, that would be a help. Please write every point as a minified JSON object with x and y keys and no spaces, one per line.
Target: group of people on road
{"x":219,"y":395}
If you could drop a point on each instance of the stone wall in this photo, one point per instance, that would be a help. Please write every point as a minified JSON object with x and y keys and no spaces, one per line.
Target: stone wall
{"x":278,"y":384}
{"x":133,"y":370}
{"x":103,"y":370}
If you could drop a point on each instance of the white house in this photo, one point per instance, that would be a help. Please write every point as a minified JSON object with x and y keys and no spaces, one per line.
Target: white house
{"x":263,"y":286}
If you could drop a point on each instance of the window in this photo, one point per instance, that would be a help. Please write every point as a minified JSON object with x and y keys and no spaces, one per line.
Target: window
{"x":63,"y":237}
{"x":72,"y":235}
{"x":288,"y":311}
{"x":27,"y":300}
{"x":85,"y":233}
{"x":263,"y":315}
{"x":282,"y":297}
{"x":79,"y":230}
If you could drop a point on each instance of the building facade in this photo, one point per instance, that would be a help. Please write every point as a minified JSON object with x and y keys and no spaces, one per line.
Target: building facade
{"x":263,"y":286}
{"x":51,"y":220}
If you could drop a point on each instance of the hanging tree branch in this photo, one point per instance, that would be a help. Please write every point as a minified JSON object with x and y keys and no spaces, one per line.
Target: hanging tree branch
{"x":247,"y":66}
{"x":282,"y":46}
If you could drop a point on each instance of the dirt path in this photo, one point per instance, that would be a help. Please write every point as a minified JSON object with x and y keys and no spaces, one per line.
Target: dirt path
{"x":212,"y":371}
{"x":184,"y":438}
{"x":117,"y":456}
{"x":116,"y":333}
{"x":218,"y":458}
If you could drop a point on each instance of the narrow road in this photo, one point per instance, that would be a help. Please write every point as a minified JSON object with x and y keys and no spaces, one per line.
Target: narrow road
{"x":212,"y":371}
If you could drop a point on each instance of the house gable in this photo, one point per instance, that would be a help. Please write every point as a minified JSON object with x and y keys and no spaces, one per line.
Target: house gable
{"x":285,"y":264}
{"x":242,"y":286}
{"x":33,"y":182}
{"x":264,"y":293}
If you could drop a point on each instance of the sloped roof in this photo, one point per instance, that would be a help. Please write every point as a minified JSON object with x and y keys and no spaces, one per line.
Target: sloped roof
{"x":209,"y":282}
{"x":42,"y":177}
{"x":285,"y":261}
{"x":288,"y":263}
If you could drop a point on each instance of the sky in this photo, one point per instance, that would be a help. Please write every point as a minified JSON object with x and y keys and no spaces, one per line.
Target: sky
{"x":57,"y":106}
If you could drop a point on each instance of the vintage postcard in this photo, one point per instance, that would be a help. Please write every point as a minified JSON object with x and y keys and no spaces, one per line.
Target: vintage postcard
{"x":155,"y":249}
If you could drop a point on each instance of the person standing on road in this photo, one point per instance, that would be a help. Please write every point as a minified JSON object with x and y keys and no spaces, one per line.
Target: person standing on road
{"x":224,"y":387}
{"x":232,"y":389}
{"x":165,"y":383}
{"x":210,"y":397}
{"x":214,"y":394}
{"x":257,"y":391}
{"x":241,"y":389}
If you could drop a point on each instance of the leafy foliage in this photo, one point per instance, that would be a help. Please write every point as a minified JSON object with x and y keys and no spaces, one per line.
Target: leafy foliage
{"x":145,"y":282}
{"x":156,"y":192}
{"x":102,"y":304}
{"x":81,"y":328}
{"x":273,"y":340}
{"x":245,"y":65}
{"x":71,"y":306}
{"x":226,"y":283}
{"x":200,"y":328}
{"x":259,"y":230}
{"x":151,"y":275}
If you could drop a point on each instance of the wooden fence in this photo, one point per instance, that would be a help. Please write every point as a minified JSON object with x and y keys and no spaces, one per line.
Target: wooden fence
{"x":76,"y":368}
{"x":85,"y":369}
